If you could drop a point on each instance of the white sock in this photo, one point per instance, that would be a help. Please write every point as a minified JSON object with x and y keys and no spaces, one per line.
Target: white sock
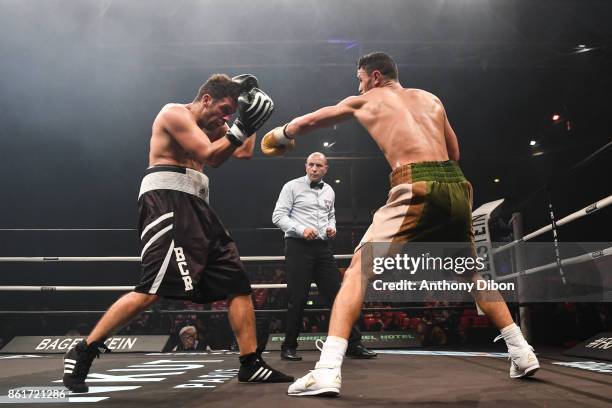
{"x":332,"y":353}
{"x":513,"y":336}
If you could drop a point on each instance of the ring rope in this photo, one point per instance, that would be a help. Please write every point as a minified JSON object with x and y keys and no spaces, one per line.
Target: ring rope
{"x":573,"y":216}
{"x":63,"y":229}
{"x":129,"y":258}
{"x":190,"y":311}
{"x":565,"y":262}
{"x":51,"y":288}
{"x":47,"y":288}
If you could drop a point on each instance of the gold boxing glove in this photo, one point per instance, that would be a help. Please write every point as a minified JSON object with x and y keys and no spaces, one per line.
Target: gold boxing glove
{"x":276,"y":142}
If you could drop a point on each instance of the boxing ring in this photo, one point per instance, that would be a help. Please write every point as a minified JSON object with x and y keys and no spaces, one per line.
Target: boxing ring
{"x":423,"y":379}
{"x":419,"y":377}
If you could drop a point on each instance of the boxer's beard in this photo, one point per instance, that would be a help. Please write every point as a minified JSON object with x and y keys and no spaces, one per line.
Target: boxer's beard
{"x":370,"y":85}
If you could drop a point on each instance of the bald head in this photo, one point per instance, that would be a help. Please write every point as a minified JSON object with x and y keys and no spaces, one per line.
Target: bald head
{"x":316,"y":166}
{"x":317,"y":154}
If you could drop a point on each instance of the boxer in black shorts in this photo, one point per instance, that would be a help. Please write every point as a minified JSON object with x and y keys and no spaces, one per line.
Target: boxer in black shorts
{"x":186,"y":251}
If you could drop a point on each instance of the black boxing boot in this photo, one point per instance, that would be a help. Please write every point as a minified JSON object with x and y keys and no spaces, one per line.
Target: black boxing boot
{"x":77,"y":362}
{"x":254,"y":370}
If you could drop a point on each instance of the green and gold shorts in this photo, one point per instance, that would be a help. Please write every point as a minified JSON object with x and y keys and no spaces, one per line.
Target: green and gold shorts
{"x":428,"y":202}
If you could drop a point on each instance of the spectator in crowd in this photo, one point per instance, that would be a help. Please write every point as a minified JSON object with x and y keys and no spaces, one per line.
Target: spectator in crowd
{"x":189,"y":340}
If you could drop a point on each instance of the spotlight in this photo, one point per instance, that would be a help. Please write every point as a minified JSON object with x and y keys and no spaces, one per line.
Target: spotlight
{"x":580,"y":48}
{"x":532,"y":143}
{"x":556,"y":117}
{"x":325,"y":144}
{"x":337,"y":181}
{"x":496,"y":180}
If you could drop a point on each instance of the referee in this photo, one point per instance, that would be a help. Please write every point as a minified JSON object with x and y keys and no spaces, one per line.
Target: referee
{"x":305,"y":213}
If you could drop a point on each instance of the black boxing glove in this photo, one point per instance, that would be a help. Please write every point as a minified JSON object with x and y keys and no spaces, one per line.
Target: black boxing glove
{"x":246,"y":82}
{"x":254,"y":109}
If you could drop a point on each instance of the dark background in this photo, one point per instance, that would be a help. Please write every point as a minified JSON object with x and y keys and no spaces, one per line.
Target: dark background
{"x":81,"y":82}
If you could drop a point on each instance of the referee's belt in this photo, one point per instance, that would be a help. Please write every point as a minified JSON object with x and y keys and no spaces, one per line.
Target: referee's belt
{"x":316,"y":240}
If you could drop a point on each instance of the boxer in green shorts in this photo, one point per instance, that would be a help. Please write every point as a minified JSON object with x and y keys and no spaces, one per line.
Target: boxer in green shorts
{"x":429,"y":200}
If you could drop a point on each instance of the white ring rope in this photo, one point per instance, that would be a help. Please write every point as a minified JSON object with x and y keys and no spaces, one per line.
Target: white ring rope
{"x":50,"y":288}
{"x":569,"y":261}
{"x":70,"y":259}
{"x":64,"y":229}
{"x":572,"y":217}
{"x":129,"y":258}
{"x":565,"y":262}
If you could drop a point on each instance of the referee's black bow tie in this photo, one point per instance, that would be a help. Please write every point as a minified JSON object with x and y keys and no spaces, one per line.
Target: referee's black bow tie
{"x":316,"y":184}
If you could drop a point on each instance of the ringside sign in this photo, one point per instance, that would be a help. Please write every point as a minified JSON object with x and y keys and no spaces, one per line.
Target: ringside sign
{"x":61,"y":344}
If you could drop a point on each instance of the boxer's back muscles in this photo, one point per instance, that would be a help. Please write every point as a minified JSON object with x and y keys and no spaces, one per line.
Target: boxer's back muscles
{"x":409,"y":125}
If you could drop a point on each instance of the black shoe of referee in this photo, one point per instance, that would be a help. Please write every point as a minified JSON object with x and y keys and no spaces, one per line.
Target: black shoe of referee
{"x":77,"y":362}
{"x":254,"y":370}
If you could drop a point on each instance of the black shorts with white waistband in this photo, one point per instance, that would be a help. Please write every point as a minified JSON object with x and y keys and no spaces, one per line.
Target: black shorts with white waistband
{"x":186,"y":252}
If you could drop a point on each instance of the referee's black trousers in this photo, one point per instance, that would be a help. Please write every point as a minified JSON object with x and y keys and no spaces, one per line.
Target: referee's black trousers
{"x":307,"y":262}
